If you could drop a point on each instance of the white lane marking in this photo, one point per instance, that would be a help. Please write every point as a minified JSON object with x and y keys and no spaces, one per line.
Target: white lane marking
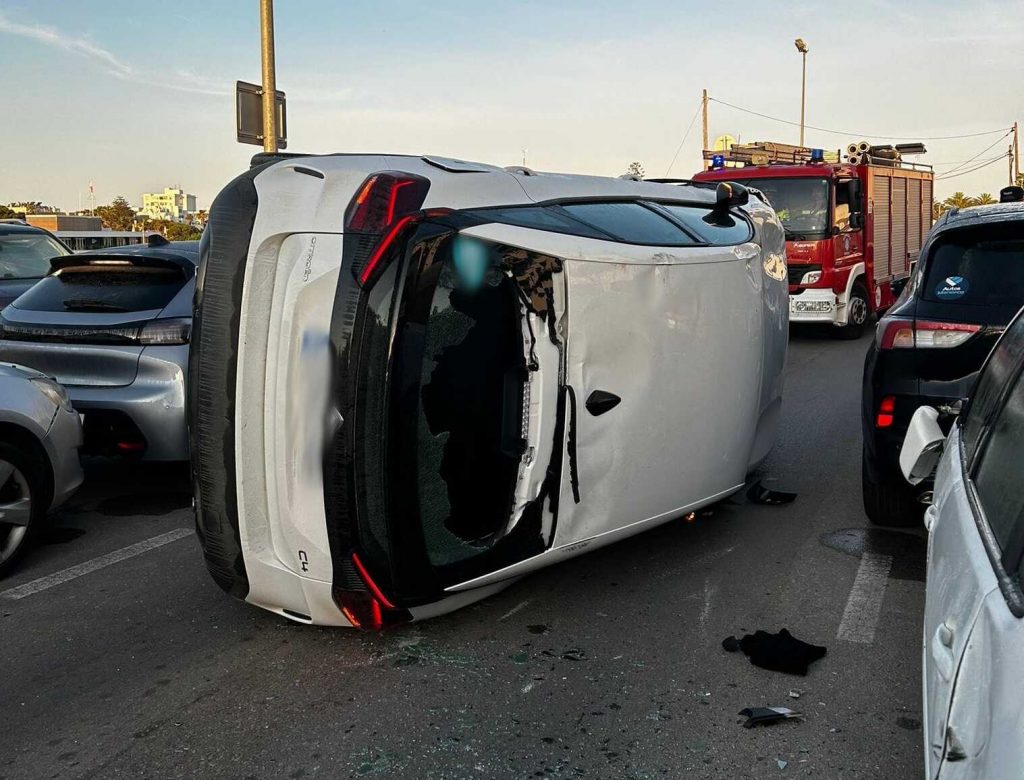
{"x":66,"y":575}
{"x":521,"y":605}
{"x":865,"y":603}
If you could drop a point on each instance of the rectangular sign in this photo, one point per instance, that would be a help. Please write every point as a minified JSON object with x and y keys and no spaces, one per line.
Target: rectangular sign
{"x":249,"y":115}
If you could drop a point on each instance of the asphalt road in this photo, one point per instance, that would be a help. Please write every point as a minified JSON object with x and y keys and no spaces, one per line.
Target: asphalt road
{"x":607,"y":666}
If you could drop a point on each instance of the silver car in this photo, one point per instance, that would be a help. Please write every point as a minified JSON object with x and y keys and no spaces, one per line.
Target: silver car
{"x":974,"y":603}
{"x":40,"y":434}
{"x":113,"y":327}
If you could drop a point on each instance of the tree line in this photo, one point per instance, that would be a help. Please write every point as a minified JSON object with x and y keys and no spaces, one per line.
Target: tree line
{"x":119,"y":215}
{"x":959,"y":200}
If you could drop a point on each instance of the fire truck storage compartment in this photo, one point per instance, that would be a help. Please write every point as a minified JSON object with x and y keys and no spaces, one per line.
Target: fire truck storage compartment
{"x":882,"y":203}
{"x":902,"y":212}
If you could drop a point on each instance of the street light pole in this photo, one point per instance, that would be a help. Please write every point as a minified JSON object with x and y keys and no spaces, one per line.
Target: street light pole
{"x":802,"y":48}
{"x":269,"y":79}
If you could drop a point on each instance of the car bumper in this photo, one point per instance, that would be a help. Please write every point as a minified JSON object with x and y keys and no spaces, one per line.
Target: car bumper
{"x":154,"y":402}
{"x":813,"y":306}
{"x":62,"y":442}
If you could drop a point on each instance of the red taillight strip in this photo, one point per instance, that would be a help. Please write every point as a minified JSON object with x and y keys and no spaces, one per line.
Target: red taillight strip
{"x":350,"y":617}
{"x":376,"y":591}
{"x":394,"y":198}
{"x":378,"y":253}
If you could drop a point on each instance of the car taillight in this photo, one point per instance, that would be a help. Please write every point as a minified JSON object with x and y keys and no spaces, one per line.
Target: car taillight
{"x":369,"y":608}
{"x":384,"y":205}
{"x":896,"y":333}
{"x":886,"y":410}
{"x":165,"y":332}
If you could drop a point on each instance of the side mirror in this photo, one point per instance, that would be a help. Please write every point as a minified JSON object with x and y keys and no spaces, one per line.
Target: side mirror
{"x":729,"y":194}
{"x":922,"y":446}
{"x":857,"y":220}
{"x":853,"y":196}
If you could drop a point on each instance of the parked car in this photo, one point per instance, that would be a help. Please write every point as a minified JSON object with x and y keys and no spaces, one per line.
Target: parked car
{"x":974,"y":603}
{"x":415,"y":379}
{"x":929,"y":346}
{"x":25,"y":253}
{"x":39,"y":469}
{"x":113,"y":327}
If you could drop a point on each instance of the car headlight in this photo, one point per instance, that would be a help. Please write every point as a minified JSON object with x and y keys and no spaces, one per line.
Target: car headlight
{"x":811,"y":277}
{"x":55,"y":392}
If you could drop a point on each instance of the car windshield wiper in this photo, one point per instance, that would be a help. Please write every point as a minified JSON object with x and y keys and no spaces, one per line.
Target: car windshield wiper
{"x":87,"y":304}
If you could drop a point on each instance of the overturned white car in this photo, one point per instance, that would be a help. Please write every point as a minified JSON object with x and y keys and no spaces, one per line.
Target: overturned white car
{"x":415,"y":379}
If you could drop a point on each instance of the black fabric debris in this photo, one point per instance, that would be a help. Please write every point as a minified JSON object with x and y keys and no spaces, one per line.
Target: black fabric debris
{"x":759,"y":494}
{"x":762,"y":716}
{"x":781,"y":652}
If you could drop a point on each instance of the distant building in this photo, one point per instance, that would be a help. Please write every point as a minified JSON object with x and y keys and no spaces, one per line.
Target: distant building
{"x":173,"y":204}
{"x":58,"y":222}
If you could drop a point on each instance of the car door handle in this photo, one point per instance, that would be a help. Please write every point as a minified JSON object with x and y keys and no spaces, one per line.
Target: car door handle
{"x":942,"y":651}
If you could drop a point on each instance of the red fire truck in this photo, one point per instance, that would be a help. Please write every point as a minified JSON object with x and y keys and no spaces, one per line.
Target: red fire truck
{"x":853,"y":228}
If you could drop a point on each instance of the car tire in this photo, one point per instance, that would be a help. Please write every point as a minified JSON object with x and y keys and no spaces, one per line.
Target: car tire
{"x":26,"y":477}
{"x":887,"y":502}
{"x":859,"y":314}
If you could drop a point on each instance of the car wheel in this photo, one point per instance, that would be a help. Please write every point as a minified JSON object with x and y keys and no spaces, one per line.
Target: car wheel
{"x":859,"y":312}
{"x":24,"y":500}
{"x":887,"y":502}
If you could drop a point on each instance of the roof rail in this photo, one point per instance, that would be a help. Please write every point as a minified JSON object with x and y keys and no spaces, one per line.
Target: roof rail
{"x":522,"y":170}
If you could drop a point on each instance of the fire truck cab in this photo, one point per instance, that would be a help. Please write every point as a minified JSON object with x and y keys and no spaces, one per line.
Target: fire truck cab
{"x":854,"y":228}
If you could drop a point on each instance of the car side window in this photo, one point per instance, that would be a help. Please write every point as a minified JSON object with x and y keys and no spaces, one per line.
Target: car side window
{"x":992,"y":384}
{"x":997,"y":475}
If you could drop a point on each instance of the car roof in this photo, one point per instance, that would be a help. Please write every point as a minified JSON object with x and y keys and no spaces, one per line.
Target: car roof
{"x":980,"y":215}
{"x":8,"y":228}
{"x":186,"y":249}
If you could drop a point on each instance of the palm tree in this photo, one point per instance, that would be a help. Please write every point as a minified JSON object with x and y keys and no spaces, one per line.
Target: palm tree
{"x":984,"y":199}
{"x":958,"y":200}
{"x":938,"y":209}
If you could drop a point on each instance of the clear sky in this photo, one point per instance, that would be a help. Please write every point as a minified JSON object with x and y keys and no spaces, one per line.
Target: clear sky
{"x":135,"y":96}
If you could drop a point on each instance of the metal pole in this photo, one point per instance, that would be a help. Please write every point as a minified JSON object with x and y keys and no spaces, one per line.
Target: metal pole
{"x":704,"y":125}
{"x":803,"y":97}
{"x":1016,"y":151}
{"x":269,"y":80}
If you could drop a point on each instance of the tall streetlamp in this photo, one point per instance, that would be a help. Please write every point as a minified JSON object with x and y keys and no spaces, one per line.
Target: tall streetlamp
{"x":802,"y":48}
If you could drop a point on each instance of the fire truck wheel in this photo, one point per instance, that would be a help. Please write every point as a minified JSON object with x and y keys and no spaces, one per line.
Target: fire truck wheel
{"x":859,"y":311}
{"x":887,"y":502}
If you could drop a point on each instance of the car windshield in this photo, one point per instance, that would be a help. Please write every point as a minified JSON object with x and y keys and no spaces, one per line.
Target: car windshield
{"x":27,"y":255}
{"x":801,"y":203}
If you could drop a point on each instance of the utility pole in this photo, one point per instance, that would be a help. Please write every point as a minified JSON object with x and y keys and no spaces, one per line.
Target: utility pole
{"x":704,"y":125}
{"x":269,"y":78}
{"x":802,"y":48}
{"x":1016,"y":153}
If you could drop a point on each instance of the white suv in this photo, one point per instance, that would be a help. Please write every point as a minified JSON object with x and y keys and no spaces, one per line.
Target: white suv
{"x":415,"y":379}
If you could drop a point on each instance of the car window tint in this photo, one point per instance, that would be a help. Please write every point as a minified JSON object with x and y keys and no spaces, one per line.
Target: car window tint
{"x":92,"y":291}
{"x":713,"y":228}
{"x":977,"y":267}
{"x":630,"y":222}
{"x":998,"y":473}
{"x":992,"y":382}
{"x":540,"y":218}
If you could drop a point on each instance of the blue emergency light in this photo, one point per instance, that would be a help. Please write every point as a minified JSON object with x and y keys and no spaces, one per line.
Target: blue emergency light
{"x":718,"y":161}
{"x":817,"y":155}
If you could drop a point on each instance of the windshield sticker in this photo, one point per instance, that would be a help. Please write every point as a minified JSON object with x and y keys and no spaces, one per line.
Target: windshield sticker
{"x":951,"y":288}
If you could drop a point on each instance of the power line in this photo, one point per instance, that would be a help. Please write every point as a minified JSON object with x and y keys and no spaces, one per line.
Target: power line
{"x":685,"y":136}
{"x":987,"y":148}
{"x":985,"y":164}
{"x":849,"y":133}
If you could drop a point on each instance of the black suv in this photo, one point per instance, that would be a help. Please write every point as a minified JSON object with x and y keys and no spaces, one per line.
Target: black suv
{"x":930,"y":345}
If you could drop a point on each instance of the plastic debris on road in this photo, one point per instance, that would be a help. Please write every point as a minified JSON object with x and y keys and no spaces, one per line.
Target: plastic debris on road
{"x":762,"y":716}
